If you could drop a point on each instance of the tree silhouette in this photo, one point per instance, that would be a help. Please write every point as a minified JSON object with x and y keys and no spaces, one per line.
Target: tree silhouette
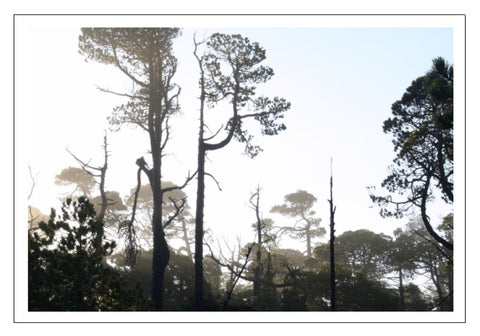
{"x":66,"y":269}
{"x":146,"y":58}
{"x":82,"y":181}
{"x":299,"y":205}
{"x":422,"y":129}
{"x":229,"y":72}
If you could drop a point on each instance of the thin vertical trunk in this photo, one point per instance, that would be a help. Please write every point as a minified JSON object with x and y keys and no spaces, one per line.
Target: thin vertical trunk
{"x":426,"y":219}
{"x":161,"y":254}
{"x":438,"y":285}
{"x":103,"y":172}
{"x":161,"y":258}
{"x":333,"y":299}
{"x":257,"y":277}
{"x":198,"y":258}
{"x":186,"y":239}
{"x":199,"y":227}
{"x":401,"y":289}
{"x":309,"y":241}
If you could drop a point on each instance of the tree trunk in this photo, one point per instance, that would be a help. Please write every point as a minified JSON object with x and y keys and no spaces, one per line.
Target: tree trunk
{"x":309,"y":241}
{"x":199,"y":227}
{"x":186,"y":239}
{"x":161,"y":258}
{"x":333,"y":303}
{"x":426,"y":219}
{"x":401,"y":289}
{"x":438,"y":285}
{"x":257,"y":282}
{"x":161,"y":254}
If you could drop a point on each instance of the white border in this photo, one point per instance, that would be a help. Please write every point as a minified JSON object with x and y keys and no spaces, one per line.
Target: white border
{"x":24,"y":23}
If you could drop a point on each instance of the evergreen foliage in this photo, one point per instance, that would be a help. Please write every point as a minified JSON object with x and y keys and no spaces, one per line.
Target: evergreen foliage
{"x":67,"y":269}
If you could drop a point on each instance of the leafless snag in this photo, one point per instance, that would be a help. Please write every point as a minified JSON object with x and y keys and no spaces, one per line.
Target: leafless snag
{"x":97,"y":172}
{"x":332,"y":245}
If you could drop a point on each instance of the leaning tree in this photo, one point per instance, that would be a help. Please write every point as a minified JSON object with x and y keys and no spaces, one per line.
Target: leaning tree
{"x":422,"y":129}
{"x":145,"y":57}
{"x":230,"y":69}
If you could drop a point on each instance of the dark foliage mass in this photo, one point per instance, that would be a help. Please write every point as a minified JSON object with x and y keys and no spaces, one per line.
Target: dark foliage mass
{"x":68,"y":272}
{"x":67,"y":269}
{"x":422,"y":130}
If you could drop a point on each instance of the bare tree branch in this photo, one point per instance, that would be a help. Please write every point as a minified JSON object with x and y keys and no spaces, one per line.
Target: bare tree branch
{"x":34,"y":181}
{"x":118,"y":93}
{"x":119,"y":66}
{"x":218,"y":184}
{"x":213,"y":136}
{"x":178,"y":210}
{"x":187,"y":180}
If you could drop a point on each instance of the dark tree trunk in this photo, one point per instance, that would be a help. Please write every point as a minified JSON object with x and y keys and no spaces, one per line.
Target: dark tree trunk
{"x":333,"y":303}
{"x":426,"y":219}
{"x":257,"y":277}
{"x":401,"y":289}
{"x":186,"y":238}
{"x":199,"y":227}
{"x":161,"y":258}
{"x":161,"y":255}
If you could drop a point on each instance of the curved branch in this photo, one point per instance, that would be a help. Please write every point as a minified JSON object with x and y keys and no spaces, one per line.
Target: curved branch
{"x":178,"y":210}
{"x":119,"y":66}
{"x":187,"y":180}
{"x":228,"y":138}
{"x":426,"y":219}
{"x":218,"y":184}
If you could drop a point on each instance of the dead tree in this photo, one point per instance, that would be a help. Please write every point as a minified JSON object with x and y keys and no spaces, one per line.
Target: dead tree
{"x":99,"y":174}
{"x":258,"y":271}
{"x":332,"y":246}
{"x":235,"y":267}
{"x":145,"y":56}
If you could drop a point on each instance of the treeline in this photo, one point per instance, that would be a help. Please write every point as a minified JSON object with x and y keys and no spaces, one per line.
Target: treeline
{"x":70,"y":268}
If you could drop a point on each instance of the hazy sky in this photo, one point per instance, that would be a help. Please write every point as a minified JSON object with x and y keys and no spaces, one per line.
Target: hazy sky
{"x":341,"y":78}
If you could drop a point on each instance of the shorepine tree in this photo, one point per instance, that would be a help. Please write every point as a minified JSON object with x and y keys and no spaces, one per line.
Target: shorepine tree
{"x":230,"y":69}
{"x":146,"y":57}
{"x":299,"y":205}
{"x":422,"y":129}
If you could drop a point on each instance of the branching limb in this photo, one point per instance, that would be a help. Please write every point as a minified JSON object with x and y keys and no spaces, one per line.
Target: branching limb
{"x":128,"y":227}
{"x":187,"y":180}
{"x":119,"y":66}
{"x":178,"y":209}
{"x":34,"y":181}
{"x":216,"y":133}
{"x":237,"y":277}
{"x":228,"y":266}
{"x":435,"y":245}
{"x":84,"y":165}
{"x":118,"y":93}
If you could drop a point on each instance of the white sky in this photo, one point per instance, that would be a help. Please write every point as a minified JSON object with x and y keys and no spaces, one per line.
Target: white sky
{"x":341,"y":82}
